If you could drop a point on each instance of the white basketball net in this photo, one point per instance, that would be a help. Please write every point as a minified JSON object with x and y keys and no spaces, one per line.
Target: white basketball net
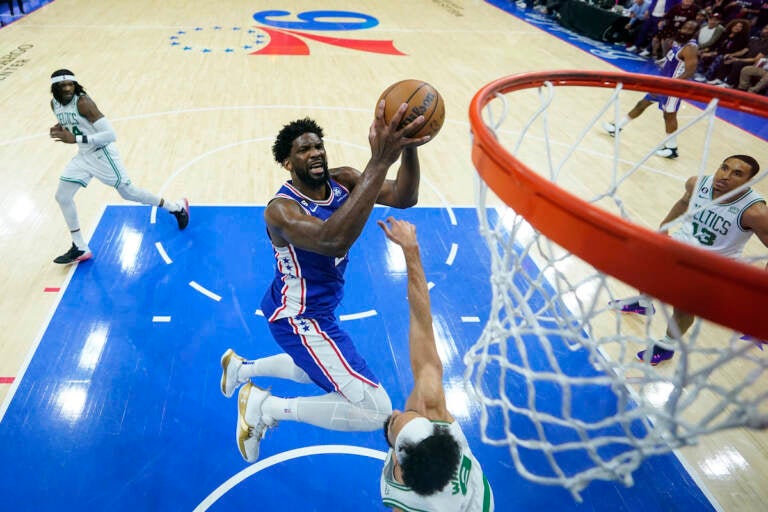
{"x":555,"y":369}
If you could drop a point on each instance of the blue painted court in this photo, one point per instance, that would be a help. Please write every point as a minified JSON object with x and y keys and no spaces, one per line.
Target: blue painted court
{"x":119,"y":408}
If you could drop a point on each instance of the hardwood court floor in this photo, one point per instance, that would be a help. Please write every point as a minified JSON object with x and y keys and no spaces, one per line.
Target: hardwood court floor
{"x":195,"y":111}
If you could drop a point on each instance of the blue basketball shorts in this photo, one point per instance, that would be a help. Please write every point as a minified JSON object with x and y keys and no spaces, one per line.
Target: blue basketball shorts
{"x":326,"y":352}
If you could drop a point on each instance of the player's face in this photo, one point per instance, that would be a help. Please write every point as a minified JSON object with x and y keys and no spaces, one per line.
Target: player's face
{"x":686,"y":31}
{"x":66,"y":91}
{"x":308,"y":160}
{"x":732,"y":174}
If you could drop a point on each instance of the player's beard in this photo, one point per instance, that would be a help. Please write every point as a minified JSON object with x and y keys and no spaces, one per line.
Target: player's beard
{"x":313,"y":181}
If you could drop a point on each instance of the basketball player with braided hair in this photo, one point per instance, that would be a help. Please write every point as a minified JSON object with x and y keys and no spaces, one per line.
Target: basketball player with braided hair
{"x":312,"y":222}
{"x":80,"y":122}
{"x":429,"y":466}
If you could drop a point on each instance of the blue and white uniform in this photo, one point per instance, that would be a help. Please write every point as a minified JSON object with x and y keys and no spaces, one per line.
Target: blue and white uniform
{"x":90,"y":161}
{"x":300,"y":305}
{"x":673,"y":67}
{"x":716,"y":226}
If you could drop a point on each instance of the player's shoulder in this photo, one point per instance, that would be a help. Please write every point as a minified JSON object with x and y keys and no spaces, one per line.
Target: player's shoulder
{"x":692,"y":181}
{"x":347,"y":176}
{"x":755,"y":215}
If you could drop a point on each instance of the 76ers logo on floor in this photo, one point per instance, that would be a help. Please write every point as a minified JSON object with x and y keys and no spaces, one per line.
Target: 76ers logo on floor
{"x":286,"y":36}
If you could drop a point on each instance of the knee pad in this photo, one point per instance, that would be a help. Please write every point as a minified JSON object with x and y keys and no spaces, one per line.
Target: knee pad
{"x":373,"y":399}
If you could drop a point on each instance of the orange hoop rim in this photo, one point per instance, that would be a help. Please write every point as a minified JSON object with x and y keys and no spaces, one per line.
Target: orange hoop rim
{"x":705,"y":284}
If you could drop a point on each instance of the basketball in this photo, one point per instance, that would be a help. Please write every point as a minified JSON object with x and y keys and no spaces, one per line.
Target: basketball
{"x":422,"y":99}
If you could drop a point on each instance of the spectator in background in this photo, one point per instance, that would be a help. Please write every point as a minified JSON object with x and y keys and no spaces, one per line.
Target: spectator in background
{"x":670,"y":24}
{"x":732,"y":43}
{"x":638,"y":14}
{"x":759,"y":71}
{"x":730,"y":70}
{"x":710,"y":33}
{"x":656,"y":11}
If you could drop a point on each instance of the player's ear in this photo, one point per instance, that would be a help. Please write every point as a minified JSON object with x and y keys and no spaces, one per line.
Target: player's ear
{"x":287,"y":165}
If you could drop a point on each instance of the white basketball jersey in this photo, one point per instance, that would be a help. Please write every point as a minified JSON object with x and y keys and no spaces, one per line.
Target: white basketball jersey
{"x":717,"y":227}
{"x":468,"y":491}
{"x":69,"y":117}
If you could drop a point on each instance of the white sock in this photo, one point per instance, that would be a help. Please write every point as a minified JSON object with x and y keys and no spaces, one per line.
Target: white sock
{"x":667,"y":343}
{"x":280,"y":408}
{"x":672,"y":143}
{"x":624,"y":122}
{"x":79,"y":241}
{"x":280,"y":366}
{"x":171,"y":206}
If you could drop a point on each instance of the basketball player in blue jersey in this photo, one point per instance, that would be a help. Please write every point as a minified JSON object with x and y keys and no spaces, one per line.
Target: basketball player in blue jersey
{"x":720,"y":226}
{"x":80,"y":122}
{"x":312,"y":222}
{"x":429,"y":466}
{"x":680,"y":62}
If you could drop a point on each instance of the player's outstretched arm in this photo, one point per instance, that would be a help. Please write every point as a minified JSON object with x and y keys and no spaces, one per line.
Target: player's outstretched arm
{"x":428,"y":395}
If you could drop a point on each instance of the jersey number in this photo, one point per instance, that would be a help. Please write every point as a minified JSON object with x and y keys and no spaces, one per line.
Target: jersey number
{"x":76,"y":130}
{"x":703,"y":235}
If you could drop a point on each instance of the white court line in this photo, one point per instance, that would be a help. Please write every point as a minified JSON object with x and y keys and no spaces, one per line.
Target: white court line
{"x":282,"y":457}
{"x":357,"y":316}
{"x":471,"y":319}
{"x":452,"y":254}
{"x":204,"y":291}
{"x":163,"y":254}
{"x":161,"y":319}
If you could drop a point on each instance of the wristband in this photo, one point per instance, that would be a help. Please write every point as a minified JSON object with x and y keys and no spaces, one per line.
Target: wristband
{"x":81,"y":138}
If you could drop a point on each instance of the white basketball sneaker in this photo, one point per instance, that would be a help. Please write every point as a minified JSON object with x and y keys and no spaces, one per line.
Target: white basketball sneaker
{"x":249,"y":436}
{"x":230,"y":368}
{"x":610,"y":128}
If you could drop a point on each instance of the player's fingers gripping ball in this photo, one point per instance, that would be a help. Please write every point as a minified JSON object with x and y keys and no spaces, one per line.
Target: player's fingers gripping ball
{"x":422,"y":99}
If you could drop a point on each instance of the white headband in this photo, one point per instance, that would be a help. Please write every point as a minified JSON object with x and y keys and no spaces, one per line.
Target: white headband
{"x":63,"y":78}
{"x":412,"y":433}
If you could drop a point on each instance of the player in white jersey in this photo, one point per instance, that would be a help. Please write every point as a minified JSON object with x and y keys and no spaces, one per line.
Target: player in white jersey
{"x":429,"y":466}
{"x":679,"y":62}
{"x":80,"y":122}
{"x":718,"y":225}
{"x":312,"y":222}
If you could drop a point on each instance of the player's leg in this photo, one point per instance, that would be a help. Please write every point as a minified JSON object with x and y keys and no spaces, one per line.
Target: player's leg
{"x":638,"y":109}
{"x":669,"y":108}
{"x":74,"y":177}
{"x":355,"y":401}
{"x":236,"y":370}
{"x":664,"y":349}
{"x":108,"y":168}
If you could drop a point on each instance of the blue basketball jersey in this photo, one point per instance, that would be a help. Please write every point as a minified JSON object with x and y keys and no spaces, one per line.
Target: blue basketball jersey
{"x":306,"y":283}
{"x":673,"y":65}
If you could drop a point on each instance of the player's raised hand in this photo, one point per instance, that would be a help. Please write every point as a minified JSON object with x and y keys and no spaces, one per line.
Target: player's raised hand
{"x":401,"y":232}
{"x":387,"y":140}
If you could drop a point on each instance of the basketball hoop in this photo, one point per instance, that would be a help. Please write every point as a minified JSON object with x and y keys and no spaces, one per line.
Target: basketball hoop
{"x":560,"y":253}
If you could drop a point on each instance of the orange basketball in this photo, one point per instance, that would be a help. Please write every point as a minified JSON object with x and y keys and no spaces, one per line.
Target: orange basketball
{"x":422,"y":99}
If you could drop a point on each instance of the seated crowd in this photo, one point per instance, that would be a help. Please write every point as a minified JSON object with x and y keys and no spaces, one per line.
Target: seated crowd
{"x":732,"y":36}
